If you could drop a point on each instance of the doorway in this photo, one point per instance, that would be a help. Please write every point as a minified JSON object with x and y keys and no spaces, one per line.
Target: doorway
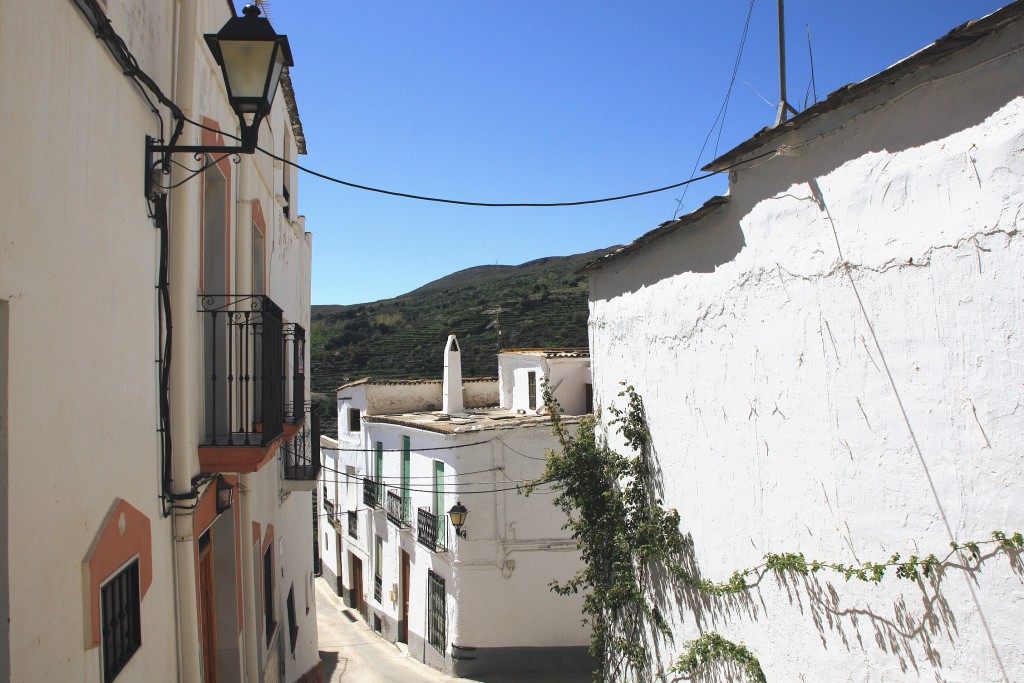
{"x":339,"y":558}
{"x":403,"y":620}
{"x":207,"y":609}
{"x":355,"y":593}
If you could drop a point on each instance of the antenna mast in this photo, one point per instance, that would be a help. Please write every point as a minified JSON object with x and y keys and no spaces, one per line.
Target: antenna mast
{"x":784,"y":107}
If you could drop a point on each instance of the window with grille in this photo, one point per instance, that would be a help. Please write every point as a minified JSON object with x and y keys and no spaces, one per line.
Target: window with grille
{"x":293,"y":624}
{"x":268,"y":593}
{"x":436,"y":632}
{"x":531,"y":388}
{"x":120,"y":618}
{"x":354,"y":423}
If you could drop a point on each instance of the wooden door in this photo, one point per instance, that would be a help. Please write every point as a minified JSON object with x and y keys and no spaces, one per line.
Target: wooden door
{"x":355,"y":597}
{"x":207,"y":613}
{"x":403,"y":620}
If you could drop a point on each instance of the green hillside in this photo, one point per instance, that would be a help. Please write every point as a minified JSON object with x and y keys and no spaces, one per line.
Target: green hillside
{"x":542,"y":303}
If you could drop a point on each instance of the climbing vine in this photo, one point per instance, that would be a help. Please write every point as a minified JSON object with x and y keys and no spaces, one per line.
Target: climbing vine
{"x":625,"y":536}
{"x":621,"y":528}
{"x":711,"y":648}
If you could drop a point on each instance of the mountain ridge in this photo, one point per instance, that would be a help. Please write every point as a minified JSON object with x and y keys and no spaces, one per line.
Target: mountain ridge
{"x":539,"y":303}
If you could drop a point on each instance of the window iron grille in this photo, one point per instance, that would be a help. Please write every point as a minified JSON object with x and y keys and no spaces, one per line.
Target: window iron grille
{"x":120,"y":618}
{"x":353,"y":526}
{"x":436,"y":612}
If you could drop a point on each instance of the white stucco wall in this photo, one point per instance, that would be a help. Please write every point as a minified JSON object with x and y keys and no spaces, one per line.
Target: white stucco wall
{"x":78,"y":267}
{"x":497,"y":578}
{"x":77,"y":270}
{"x":839,"y":377}
{"x":566,"y":377}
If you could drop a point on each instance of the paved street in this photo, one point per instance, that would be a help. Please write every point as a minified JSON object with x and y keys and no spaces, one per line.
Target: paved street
{"x":353,"y":653}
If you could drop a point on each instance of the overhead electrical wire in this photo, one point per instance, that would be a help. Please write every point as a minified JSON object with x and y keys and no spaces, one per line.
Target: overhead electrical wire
{"x":517,"y":487}
{"x":402,"y":450}
{"x":722,"y":110}
{"x":461,"y":202}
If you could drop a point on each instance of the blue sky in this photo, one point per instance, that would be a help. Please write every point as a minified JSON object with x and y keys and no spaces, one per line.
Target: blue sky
{"x":533,"y":101}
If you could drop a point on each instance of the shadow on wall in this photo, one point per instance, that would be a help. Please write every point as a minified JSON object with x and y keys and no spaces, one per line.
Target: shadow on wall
{"x":698,"y":248}
{"x":914,"y":623}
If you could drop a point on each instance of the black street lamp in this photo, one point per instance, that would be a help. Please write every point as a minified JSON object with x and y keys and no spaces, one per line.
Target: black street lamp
{"x":458,"y":515}
{"x":225,"y":495}
{"x":251,"y":56}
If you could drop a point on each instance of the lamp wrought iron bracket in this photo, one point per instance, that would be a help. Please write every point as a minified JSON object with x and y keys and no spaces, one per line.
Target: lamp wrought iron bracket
{"x":161,"y":166}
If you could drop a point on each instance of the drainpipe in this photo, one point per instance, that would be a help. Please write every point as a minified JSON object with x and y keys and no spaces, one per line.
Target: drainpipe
{"x":252,"y":650}
{"x":183,"y":271}
{"x":243,"y":229}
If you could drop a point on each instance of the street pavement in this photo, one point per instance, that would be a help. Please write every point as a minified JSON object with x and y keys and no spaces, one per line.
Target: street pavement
{"x":353,"y":653}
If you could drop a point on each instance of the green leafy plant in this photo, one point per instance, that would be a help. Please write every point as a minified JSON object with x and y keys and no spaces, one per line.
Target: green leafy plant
{"x":710,"y":648}
{"x":621,"y":528}
{"x":625,"y":534}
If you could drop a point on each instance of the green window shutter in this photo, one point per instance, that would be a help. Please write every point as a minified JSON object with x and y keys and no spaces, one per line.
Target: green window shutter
{"x":380,"y":473}
{"x":406,"y":466}
{"x":442,"y":518}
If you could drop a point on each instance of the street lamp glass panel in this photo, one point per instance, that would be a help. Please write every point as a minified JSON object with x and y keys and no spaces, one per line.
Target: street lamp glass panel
{"x":246,"y":63}
{"x":458,"y":515}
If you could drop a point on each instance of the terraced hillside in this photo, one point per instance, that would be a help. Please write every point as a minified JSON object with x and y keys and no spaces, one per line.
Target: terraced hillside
{"x":542,"y":303}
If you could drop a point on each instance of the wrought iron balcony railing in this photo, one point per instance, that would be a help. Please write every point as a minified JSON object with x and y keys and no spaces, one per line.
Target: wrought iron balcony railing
{"x":371,"y":493}
{"x":302,"y":453}
{"x":244,"y":369}
{"x":329,"y":510}
{"x":296,"y":406}
{"x":353,"y":524}
{"x":430,"y":530}
{"x":397,"y":510}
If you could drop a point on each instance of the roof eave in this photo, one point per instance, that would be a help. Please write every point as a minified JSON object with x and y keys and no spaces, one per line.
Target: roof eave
{"x":960,"y":37}
{"x":711,"y":206}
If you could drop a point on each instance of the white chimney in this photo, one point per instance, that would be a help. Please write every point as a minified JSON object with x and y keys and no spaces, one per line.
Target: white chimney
{"x":451,"y":396}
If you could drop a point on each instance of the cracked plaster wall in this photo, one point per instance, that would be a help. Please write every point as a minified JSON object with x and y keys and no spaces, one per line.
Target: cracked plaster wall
{"x":763,"y":339}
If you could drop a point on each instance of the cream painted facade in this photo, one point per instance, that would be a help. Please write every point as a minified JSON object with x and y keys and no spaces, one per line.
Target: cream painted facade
{"x":829,"y":359}
{"x":492,"y":610}
{"x":84,"y":498}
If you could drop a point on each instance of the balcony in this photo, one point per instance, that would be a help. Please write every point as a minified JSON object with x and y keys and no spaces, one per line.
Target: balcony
{"x":372,"y":491}
{"x":397,"y":510}
{"x":295,"y":407}
{"x":353,"y":524}
{"x":329,"y":510}
{"x":251,"y":370}
{"x":430,"y":530}
{"x":302,"y":456}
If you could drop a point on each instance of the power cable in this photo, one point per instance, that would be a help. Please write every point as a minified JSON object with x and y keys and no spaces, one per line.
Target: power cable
{"x":724,"y":108}
{"x":460,"y":202}
{"x":517,"y":487}
{"x":402,"y":450}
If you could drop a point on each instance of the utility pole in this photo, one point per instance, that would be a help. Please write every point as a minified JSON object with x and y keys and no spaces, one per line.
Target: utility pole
{"x":784,"y":107}
{"x":496,"y":311}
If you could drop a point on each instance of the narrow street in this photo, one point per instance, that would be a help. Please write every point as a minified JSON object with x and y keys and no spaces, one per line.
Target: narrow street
{"x":353,"y":653}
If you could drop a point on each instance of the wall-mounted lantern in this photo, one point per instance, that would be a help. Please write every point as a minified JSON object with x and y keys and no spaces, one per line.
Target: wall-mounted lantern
{"x":225,"y":495}
{"x":458,"y":515}
{"x":251,"y":56}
